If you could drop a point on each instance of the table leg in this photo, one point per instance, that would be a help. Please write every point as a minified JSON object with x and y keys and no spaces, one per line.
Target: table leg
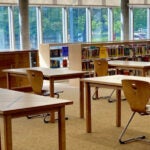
{"x":0,"y":142}
{"x":118,"y":108}
{"x":88,"y":108}
{"x":8,"y":78}
{"x":61,"y":129}
{"x":7,"y":133}
{"x":81,"y":99}
{"x":52,"y":113}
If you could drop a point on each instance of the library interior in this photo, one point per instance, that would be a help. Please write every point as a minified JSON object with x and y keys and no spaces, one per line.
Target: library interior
{"x":73,"y":74}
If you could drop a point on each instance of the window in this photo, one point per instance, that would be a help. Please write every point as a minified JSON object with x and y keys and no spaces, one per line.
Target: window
{"x":117,"y":24}
{"x":4,"y":28}
{"x":76,"y":25}
{"x":140,"y":23}
{"x":99,"y":17}
{"x":33,"y":27}
{"x":52,"y":24}
{"x":16,"y":27}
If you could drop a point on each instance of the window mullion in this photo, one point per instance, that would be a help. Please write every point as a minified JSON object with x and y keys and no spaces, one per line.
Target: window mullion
{"x":11,"y":28}
{"x":39,"y":26}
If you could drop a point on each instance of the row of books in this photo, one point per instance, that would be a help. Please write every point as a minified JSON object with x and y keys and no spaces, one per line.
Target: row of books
{"x":90,"y":52}
{"x":89,"y":66}
{"x":58,"y":63}
{"x":128,"y":50}
{"x":115,"y":51}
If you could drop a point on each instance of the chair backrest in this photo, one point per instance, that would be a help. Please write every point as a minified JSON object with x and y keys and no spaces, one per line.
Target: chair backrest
{"x":137,"y":94}
{"x":35,"y":78}
{"x":101,"y":67}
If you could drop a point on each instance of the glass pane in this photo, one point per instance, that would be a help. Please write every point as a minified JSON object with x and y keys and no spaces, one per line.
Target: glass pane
{"x":33,"y":27}
{"x":76,"y":25}
{"x":52,"y":24}
{"x":140,"y":23}
{"x":16,"y":27}
{"x":99,"y":24}
{"x":4,"y":28}
{"x":117,"y":24}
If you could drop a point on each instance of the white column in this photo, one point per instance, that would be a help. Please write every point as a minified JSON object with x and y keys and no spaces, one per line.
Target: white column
{"x":88,"y":25}
{"x":148,"y":23}
{"x":110,"y":24}
{"x":131,"y":24}
{"x":64,"y":24}
{"x":24,"y":24}
{"x":39,"y":26}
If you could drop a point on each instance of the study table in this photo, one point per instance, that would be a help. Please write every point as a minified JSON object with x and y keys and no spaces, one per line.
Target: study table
{"x":14,"y":104}
{"x":52,"y":75}
{"x":144,"y":67}
{"x":110,"y":82}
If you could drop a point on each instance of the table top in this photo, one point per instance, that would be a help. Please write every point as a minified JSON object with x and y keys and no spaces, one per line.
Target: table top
{"x":114,"y":80}
{"x":124,"y":63}
{"x":48,"y":72}
{"x":12,"y":102}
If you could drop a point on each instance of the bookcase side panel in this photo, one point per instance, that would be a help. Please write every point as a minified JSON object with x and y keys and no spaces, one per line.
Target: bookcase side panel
{"x":75,"y":61}
{"x":44,"y":55}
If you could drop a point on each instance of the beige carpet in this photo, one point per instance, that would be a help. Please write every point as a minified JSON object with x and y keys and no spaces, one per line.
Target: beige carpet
{"x":33,"y":134}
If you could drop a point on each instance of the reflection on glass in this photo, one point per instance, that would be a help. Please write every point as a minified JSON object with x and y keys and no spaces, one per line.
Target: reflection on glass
{"x":16,"y":27}
{"x":117,"y":24}
{"x":99,"y":24}
{"x":76,"y":25}
{"x":140,"y":23}
{"x":4,"y":28}
{"x":33,"y":27}
{"x":52,"y":24}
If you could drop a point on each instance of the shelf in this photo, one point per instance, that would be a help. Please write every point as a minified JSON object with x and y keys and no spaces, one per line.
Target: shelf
{"x":53,"y":55}
{"x":82,"y":55}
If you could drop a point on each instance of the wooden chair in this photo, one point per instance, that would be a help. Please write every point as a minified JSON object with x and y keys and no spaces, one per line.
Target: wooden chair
{"x":137,"y":94}
{"x":101,"y":69}
{"x":35,"y":78}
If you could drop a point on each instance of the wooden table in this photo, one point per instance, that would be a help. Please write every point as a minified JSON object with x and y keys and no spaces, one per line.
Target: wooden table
{"x":111,"y":82}
{"x":144,"y":67}
{"x":15,"y":104}
{"x":52,"y":75}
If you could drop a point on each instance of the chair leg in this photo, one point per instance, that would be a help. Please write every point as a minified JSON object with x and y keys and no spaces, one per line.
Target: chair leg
{"x":95,"y":96}
{"x":47,"y":120}
{"x":124,"y":130}
{"x":109,"y":98}
{"x":34,"y":116}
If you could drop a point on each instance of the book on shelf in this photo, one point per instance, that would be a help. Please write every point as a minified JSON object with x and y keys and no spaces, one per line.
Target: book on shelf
{"x":127,"y":51}
{"x":94,"y":52}
{"x":103,"y":52}
{"x":55,"y":64}
{"x":87,"y":65}
{"x":90,"y":52}
{"x":65,"y":51}
{"x":55,"y":53}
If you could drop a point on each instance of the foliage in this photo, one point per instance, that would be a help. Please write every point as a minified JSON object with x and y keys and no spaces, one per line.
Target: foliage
{"x":52,"y":23}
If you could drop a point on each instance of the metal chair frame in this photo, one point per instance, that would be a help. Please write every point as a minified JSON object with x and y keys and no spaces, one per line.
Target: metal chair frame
{"x":137,"y":94}
{"x":101,"y":69}
{"x":35,"y":78}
